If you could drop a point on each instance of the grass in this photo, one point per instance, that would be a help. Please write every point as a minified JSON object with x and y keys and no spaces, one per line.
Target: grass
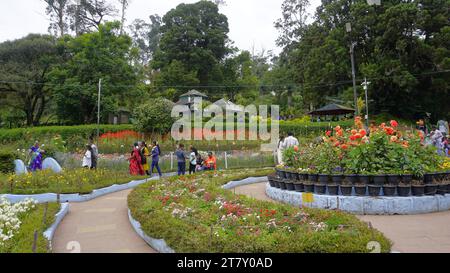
{"x":22,"y":242}
{"x":70,"y":181}
{"x":185,"y":213}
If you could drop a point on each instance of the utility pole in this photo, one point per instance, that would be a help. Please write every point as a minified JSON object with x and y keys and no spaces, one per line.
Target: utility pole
{"x":98,"y":108}
{"x":365,"y":85}
{"x":348,"y":27}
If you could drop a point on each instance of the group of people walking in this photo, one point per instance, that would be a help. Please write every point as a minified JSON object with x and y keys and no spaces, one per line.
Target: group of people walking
{"x":141,"y":155}
{"x":90,"y":157}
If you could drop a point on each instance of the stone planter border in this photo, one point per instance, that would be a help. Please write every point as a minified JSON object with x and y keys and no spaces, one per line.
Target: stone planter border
{"x":50,"y":232}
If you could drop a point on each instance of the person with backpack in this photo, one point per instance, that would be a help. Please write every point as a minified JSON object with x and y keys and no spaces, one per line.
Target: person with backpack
{"x":144,"y":157}
{"x":156,"y":152}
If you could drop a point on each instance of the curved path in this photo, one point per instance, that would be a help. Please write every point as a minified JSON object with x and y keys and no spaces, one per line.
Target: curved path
{"x":99,"y":226}
{"x":424,"y":233}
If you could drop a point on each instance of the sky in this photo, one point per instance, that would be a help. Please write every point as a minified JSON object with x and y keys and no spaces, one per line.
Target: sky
{"x":251,"y":22}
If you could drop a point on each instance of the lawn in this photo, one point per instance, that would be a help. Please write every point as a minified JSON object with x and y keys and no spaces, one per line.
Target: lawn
{"x":193,"y":214}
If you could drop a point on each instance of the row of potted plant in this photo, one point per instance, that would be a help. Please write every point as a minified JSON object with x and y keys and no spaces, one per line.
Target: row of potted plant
{"x":346,"y":187}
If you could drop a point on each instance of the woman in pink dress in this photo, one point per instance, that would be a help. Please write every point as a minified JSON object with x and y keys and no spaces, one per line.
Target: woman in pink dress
{"x":135,"y":162}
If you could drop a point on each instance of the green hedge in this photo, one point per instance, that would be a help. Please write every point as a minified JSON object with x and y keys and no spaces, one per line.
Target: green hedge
{"x":36,"y":133}
{"x":6,"y":162}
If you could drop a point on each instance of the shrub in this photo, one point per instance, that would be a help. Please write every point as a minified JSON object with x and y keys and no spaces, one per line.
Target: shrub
{"x":154,"y":116}
{"x":6,"y":162}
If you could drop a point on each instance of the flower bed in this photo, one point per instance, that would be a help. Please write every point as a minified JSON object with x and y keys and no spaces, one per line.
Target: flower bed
{"x":193,"y":214}
{"x":19,"y":221}
{"x":388,"y":162}
{"x":69,"y":181}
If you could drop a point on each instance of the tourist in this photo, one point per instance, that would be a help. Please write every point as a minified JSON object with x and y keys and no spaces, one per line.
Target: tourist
{"x":94,"y":157}
{"x":87,"y":158}
{"x":436,"y":137}
{"x":144,"y":153}
{"x":290,"y":141}
{"x":36,"y":157}
{"x":442,"y":125}
{"x":280,"y":150}
{"x":135,"y":161}
{"x":446,"y":146}
{"x":421,"y":126}
{"x":211,"y":162}
{"x":192,"y":160}
{"x":181,"y":158}
{"x":199,"y":162}
{"x":156,"y":152}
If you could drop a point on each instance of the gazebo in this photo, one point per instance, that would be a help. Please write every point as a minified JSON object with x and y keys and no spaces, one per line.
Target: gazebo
{"x":332,"y":110}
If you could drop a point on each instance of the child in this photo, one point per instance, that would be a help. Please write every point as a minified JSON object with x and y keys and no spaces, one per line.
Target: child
{"x":87,"y":159}
{"x":211,"y":162}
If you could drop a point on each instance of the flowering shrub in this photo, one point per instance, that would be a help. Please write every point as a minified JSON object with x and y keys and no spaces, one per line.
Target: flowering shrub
{"x":9,"y":218}
{"x":384,"y":149}
{"x":193,"y":214}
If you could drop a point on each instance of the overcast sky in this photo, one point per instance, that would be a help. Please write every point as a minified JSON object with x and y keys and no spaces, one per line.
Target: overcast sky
{"x":251,"y":21}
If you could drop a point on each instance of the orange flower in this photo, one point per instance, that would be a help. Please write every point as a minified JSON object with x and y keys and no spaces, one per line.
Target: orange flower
{"x":344,"y":146}
{"x":354,"y":132}
{"x":296,"y":148}
{"x":362,"y":132}
{"x":405,"y":144}
{"x":337,"y":143}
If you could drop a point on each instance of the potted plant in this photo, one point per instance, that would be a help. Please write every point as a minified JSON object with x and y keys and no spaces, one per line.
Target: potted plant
{"x":360,"y":189}
{"x":389,"y":190}
{"x":271,"y":178}
{"x":333,"y":188}
{"x":337,"y":175}
{"x":282,"y":183}
{"x":379,"y":179}
{"x":320,"y":188}
{"x":298,"y":186}
{"x":302,"y":174}
{"x":308,"y":186}
{"x":431,"y":189}
{"x":312,"y":175}
{"x":346,"y":187}
{"x":417,"y":187}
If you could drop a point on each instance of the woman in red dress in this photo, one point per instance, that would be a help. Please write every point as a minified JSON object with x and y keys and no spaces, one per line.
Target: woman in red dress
{"x":135,"y":162}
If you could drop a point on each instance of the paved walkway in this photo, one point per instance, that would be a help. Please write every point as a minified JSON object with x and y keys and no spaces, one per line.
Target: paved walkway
{"x":422,"y":233}
{"x":99,"y":226}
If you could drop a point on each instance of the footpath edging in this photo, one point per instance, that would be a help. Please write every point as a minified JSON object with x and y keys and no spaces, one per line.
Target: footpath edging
{"x":50,"y":232}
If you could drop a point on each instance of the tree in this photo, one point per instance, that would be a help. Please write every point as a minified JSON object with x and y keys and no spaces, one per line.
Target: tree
{"x":24,"y":68}
{"x":57,"y":10}
{"x":146,"y":37}
{"x":124,"y":4}
{"x":105,"y":55}
{"x":292,"y":23}
{"x":154,"y":116}
{"x":88,"y":15}
{"x":196,"y":35}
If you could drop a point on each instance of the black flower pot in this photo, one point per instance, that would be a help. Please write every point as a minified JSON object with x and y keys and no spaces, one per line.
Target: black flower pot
{"x":360,"y":190}
{"x":442,"y":189}
{"x":295,"y":176}
{"x":364,"y":179}
{"x":352,"y":178}
{"x":448,"y":188}
{"x":278,"y":172}
{"x":282,"y":184}
{"x":431,"y":189}
{"x":308,"y":187}
{"x":333,"y":189}
{"x":428,"y":178}
{"x":418,"y":190}
{"x":346,"y":190}
{"x":288,"y":175}
{"x":323,"y":179}
{"x":313,"y":177}
{"x":320,"y":188}
{"x":290,"y":186}
{"x":337,"y":179}
{"x":303,"y":177}
{"x":389,"y":190}
{"x":374,"y":190}
{"x":404,"y":190}
{"x":276,"y":183}
{"x":271,"y":181}
{"x":379,"y":179}
{"x":298,"y":186}
{"x":393,"y":179}
{"x":407,"y":178}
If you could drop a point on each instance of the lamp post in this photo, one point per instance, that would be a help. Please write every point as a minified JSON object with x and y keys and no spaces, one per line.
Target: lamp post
{"x":365,"y":85}
{"x":348,"y":27}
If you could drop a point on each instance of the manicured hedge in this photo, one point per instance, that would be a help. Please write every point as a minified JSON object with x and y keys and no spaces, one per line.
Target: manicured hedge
{"x":6,"y":162}
{"x":194,"y":214}
{"x":36,"y":133}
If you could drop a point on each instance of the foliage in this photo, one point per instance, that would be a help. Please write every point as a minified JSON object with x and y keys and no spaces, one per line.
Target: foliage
{"x":6,"y":161}
{"x":31,"y":221}
{"x":154,"y":116}
{"x":105,"y":55}
{"x":193,"y":214}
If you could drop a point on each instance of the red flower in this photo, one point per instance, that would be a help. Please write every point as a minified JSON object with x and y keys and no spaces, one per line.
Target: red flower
{"x":296,"y":148}
{"x":328,"y":133}
{"x":394,"y":123}
{"x":344,"y":146}
{"x":362,"y":132}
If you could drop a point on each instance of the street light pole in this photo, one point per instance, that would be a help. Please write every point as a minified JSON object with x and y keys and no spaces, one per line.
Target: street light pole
{"x":98,"y":108}
{"x":355,"y":94}
{"x":365,"y":84}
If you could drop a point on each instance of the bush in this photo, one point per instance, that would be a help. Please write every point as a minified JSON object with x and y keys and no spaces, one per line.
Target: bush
{"x":154,"y":116}
{"x":6,"y":162}
{"x":193,"y":214}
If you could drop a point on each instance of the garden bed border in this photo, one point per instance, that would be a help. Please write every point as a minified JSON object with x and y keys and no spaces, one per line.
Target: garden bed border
{"x":50,"y":232}
{"x":365,"y":205}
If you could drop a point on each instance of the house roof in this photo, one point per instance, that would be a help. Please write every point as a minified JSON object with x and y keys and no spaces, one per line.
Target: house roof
{"x":228,"y":105}
{"x":194,"y":93}
{"x":332,"y":109}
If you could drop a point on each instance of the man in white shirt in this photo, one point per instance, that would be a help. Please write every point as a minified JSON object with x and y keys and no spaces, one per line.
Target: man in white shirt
{"x":290,"y":141}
